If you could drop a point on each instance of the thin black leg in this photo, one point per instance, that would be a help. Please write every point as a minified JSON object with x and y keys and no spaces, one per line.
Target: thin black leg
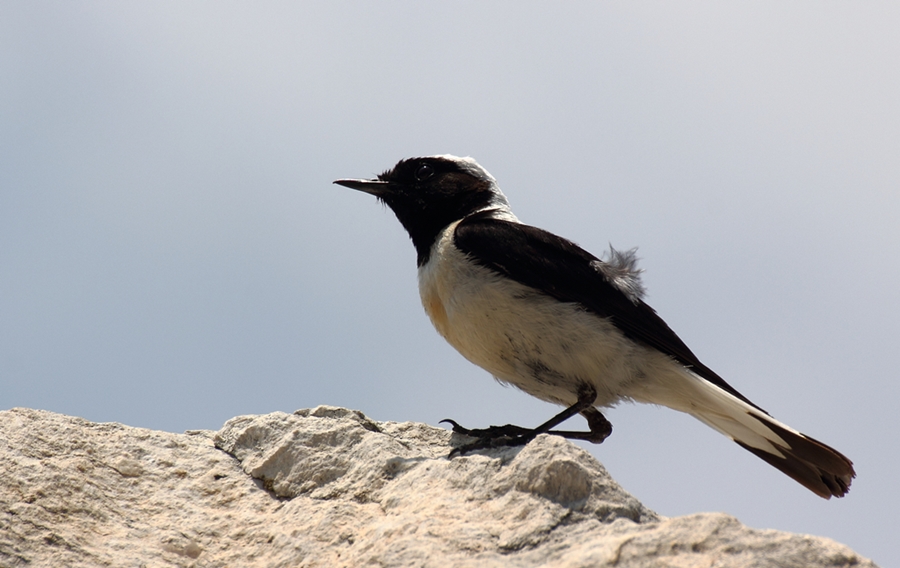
{"x":511,"y":435}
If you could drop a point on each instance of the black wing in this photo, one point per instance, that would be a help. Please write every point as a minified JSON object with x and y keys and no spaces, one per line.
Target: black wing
{"x":562,"y":269}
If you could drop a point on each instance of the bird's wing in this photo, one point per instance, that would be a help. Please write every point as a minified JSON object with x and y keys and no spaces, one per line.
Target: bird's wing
{"x":565,"y":271}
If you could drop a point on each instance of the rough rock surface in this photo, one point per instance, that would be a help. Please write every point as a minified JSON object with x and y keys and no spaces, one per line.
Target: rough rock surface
{"x":330,"y":487}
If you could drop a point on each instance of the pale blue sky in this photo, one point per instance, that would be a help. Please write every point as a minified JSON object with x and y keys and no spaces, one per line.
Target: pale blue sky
{"x":172,"y":251}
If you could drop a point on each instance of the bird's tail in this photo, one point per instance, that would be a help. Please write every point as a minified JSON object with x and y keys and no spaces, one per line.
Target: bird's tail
{"x":816,"y":466}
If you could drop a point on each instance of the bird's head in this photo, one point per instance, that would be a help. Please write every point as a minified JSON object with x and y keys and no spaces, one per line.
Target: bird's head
{"x":429,"y":193}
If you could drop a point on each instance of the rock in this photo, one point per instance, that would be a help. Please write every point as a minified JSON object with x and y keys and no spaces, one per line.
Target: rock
{"x":330,"y":487}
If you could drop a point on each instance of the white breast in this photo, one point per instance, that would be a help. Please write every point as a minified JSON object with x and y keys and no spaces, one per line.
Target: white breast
{"x":523,"y":337}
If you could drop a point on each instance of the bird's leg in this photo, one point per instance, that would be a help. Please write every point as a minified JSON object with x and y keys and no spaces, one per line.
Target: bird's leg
{"x":511,"y":435}
{"x":600,"y":428}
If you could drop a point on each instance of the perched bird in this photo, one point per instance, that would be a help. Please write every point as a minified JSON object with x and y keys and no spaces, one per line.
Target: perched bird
{"x":537,"y":311}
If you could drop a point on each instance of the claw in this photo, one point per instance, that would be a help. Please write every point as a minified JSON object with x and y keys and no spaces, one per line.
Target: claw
{"x":457,"y":428}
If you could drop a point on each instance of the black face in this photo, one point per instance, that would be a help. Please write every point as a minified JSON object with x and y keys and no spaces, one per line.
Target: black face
{"x":435,"y":188}
{"x":427,"y":194}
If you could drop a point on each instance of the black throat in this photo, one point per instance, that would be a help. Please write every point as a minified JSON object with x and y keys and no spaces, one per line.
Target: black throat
{"x":425,"y":220}
{"x":425,"y":204}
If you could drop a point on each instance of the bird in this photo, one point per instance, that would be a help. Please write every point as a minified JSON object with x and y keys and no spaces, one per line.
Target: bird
{"x":540,"y":313}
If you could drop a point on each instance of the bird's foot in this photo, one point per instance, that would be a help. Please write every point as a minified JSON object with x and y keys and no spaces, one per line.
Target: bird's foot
{"x":489,"y":432}
{"x":509,"y":435}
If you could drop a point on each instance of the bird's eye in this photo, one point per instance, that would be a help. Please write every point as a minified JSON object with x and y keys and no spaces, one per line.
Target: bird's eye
{"x":424,"y":172}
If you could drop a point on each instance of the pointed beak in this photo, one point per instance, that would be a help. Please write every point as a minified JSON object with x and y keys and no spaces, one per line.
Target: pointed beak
{"x":372,"y":186}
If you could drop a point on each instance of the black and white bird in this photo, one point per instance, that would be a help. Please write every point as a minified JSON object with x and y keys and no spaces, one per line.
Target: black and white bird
{"x":537,"y":311}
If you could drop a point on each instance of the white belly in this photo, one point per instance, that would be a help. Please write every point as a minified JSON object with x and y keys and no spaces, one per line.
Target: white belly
{"x":525,"y":338}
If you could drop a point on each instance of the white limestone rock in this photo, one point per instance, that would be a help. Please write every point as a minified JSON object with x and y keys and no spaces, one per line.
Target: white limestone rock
{"x":330,"y":487}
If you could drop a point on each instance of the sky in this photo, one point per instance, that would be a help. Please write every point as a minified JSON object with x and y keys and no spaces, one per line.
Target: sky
{"x":173,"y":252}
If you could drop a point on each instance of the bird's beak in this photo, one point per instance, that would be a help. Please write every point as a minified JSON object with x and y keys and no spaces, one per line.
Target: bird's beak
{"x":371,"y":186}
